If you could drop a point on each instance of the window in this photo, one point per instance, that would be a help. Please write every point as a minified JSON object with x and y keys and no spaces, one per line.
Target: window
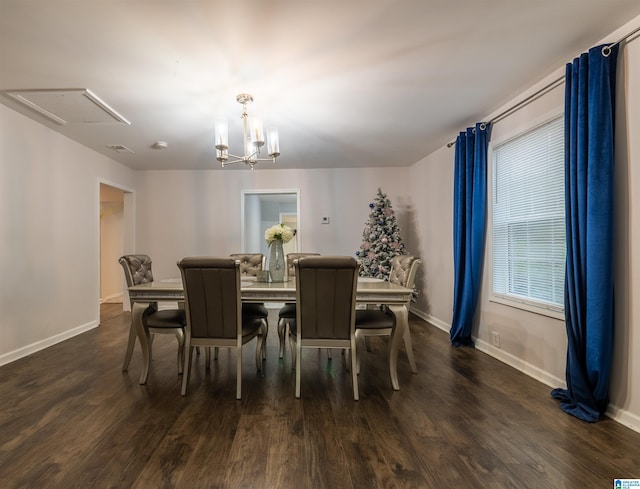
{"x":528,"y":217}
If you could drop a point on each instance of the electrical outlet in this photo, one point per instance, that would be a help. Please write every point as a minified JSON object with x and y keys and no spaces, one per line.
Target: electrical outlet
{"x":325,"y":220}
{"x":495,"y":338}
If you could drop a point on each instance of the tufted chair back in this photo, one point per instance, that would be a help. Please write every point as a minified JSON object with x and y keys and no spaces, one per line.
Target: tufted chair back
{"x":291,"y":257}
{"x":403,"y":270}
{"x":250,"y":263}
{"x":137,"y":269}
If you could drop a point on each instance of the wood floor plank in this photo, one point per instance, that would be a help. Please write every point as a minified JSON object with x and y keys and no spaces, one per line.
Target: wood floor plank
{"x":326,"y":460}
{"x":247,"y":467}
{"x":213,"y":441}
{"x":70,"y":418}
{"x":286,"y":459}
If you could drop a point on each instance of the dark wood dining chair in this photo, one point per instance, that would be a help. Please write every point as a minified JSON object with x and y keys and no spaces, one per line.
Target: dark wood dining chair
{"x":213,"y":308}
{"x":380,"y":321}
{"x":325,"y":313}
{"x":137,"y":270}
{"x":287,"y":312}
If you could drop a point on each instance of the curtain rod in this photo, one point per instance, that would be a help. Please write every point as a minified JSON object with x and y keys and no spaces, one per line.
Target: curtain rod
{"x":623,"y":38}
{"x":523,"y":102}
{"x":606,"y":50}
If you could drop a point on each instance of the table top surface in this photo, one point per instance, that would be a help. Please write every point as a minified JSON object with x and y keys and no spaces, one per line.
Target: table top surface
{"x":250,"y":282}
{"x":372,"y":288}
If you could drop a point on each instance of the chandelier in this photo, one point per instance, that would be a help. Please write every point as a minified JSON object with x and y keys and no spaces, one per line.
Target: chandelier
{"x":253,"y":137}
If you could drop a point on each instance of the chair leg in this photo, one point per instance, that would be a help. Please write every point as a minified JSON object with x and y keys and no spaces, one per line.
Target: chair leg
{"x":149,"y":359}
{"x":282,"y":330}
{"x":264,"y":340}
{"x":207,"y":357}
{"x":358,"y":356}
{"x":409,"y":348}
{"x":259,"y":351}
{"x":354,"y":369}
{"x":144,"y":337}
{"x":239,"y":373}
{"x":292,"y":346}
{"x":298,"y":353}
{"x":180,"y":337}
{"x":129,"y":353}
{"x":186,"y":369}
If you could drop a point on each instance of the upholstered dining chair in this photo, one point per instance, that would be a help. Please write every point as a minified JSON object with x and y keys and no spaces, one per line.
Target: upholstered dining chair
{"x":213,"y":307}
{"x":251,"y":264}
{"x":381,"y":322}
{"x":288,"y":311}
{"x":325,"y":313}
{"x":137,"y":270}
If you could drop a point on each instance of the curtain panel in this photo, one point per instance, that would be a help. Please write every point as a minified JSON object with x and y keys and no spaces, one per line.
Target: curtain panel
{"x":469,"y":223}
{"x":589,"y":180}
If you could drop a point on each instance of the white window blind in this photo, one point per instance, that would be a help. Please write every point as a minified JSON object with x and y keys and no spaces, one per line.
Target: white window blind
{"x":528,"y":217}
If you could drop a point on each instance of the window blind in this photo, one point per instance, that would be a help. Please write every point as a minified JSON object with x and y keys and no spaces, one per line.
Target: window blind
{"x":528,"y":224}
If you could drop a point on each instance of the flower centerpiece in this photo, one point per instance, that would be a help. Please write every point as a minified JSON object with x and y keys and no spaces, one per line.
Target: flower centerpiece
{"x":275,"y":237}
{"x":278,"y":232}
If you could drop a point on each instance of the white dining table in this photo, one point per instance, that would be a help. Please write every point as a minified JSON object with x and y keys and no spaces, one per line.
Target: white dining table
{"x":369,"y":291}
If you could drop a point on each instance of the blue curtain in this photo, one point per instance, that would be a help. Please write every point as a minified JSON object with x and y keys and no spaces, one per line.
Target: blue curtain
{"x":469,"y":211}
{"x":589,"y":174}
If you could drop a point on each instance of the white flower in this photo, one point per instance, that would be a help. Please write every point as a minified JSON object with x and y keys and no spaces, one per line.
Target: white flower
{"x":278,"y":232}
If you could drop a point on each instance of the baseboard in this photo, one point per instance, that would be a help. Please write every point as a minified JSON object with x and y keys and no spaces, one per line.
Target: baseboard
{"x":112,"y":299}
{"x":27,"y":350}
{"x":525,"y":367}
{"x":622,"y":416}
{"x":432,"y":320}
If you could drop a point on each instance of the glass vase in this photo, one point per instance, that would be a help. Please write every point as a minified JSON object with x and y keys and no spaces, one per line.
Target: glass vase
{"x":276,"y":262}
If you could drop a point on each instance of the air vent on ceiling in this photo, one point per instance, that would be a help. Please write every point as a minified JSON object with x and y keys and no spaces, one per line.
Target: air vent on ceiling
{"x":119,"y":148}
{"x":65,"y":106}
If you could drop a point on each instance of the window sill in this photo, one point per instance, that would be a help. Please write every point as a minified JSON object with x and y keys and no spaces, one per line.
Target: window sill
{"x":529,"y":307}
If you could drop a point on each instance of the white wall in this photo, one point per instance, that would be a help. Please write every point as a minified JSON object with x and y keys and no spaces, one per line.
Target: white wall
{"x":531,"y":342}
{"x":49,"y":218}
{"x":431,"y":190}
{"x":185,"y":213}
{"x":625,"y":378}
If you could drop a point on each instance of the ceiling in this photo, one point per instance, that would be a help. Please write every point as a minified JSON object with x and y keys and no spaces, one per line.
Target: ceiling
{"x":350,"y":83}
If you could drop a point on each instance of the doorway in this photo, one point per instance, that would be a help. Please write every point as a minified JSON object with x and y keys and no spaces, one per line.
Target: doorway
{"x":261,"y":209}
{"x":115,"y":239}
{"x":111,"y":243}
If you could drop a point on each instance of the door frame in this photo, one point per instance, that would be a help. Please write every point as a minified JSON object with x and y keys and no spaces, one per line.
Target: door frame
{"x":270,"y":192}
{"x":128,"y":235}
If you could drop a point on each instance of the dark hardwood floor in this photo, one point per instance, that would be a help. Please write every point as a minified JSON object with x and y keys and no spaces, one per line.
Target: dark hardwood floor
{"x":70,"y":418}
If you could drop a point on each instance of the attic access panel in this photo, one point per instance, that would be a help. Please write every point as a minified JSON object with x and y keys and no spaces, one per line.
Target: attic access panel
{"x":66,"y":106}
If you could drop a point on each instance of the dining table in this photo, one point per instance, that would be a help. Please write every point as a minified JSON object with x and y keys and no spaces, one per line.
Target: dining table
{"x":369,"y":291}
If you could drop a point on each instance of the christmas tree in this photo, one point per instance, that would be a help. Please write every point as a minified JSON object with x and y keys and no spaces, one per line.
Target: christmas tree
{"x":381,"y":239}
